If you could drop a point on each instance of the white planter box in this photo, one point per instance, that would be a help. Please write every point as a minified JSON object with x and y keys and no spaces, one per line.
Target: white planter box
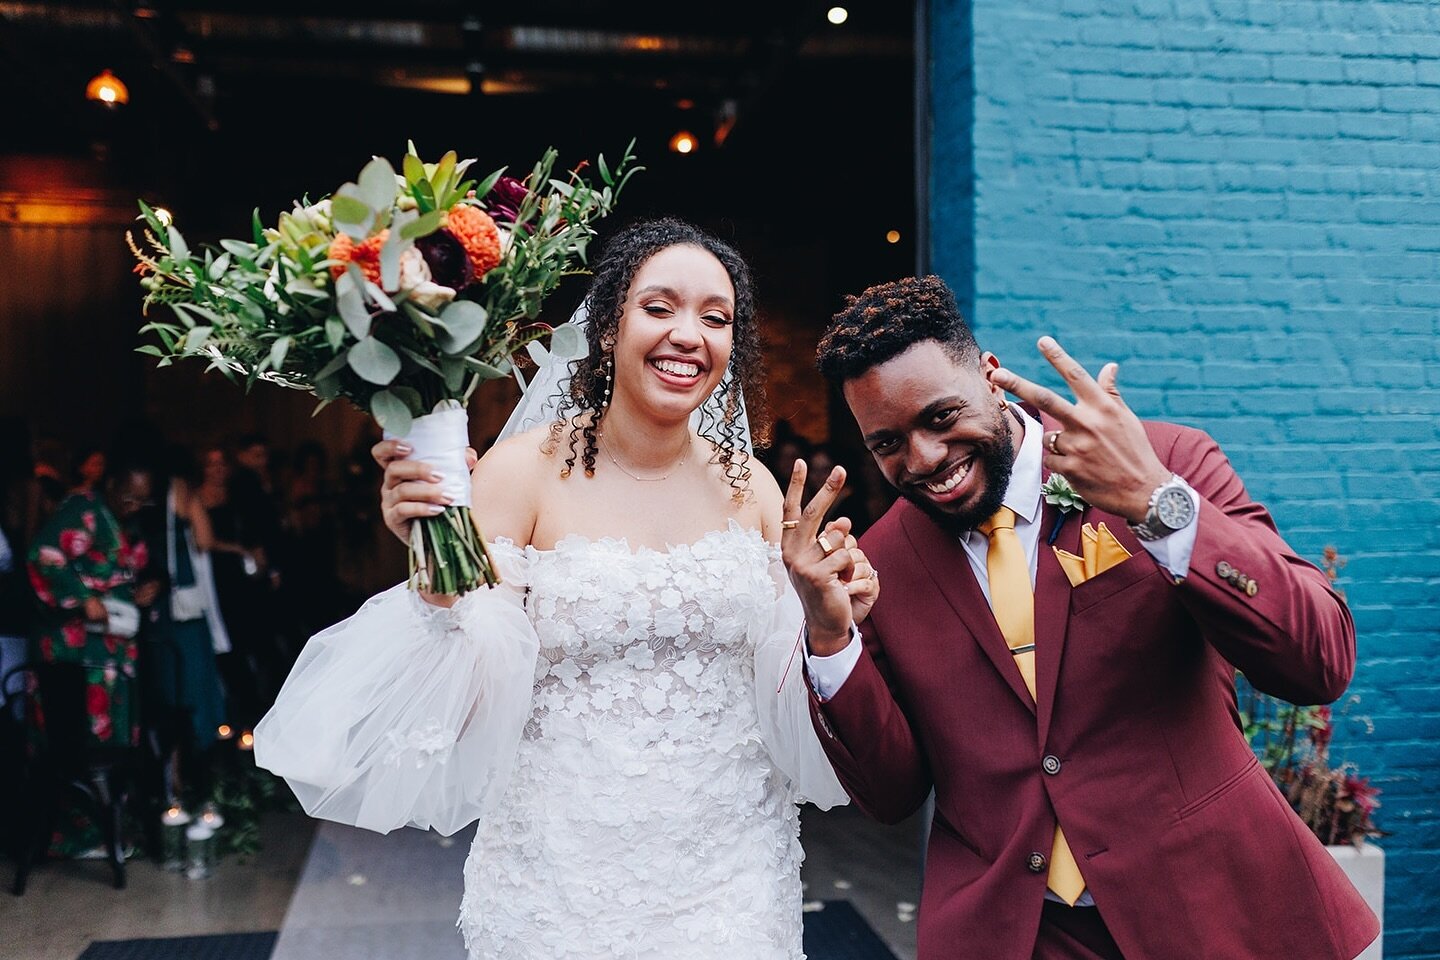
{"x":1365,"y":866}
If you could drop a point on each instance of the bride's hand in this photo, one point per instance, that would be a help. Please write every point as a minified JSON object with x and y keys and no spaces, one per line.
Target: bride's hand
{"x":411,"y":488}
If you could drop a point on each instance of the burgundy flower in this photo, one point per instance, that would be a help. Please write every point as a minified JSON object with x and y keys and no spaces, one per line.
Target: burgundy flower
{"x":504,"y":199}
{"x":446,"y":257}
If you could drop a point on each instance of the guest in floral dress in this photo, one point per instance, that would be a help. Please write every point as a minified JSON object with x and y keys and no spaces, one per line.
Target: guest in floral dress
{"x":78,"y":559}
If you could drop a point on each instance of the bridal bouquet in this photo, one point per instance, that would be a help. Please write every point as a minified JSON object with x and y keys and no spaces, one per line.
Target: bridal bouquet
{"x":401,"y":293}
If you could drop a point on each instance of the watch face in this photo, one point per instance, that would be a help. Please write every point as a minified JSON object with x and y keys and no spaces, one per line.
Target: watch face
{"x":1175,"y":508}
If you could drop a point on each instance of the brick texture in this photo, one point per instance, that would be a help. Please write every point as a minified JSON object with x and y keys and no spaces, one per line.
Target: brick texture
{"x":1239,"y":200}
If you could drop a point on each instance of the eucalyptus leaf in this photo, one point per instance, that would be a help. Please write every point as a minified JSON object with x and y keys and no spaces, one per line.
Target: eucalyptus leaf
{"x":327,"y":388}
{"x":377,"y":184}
{"x":411,"y":398}
{"x":390,"y":412}
{"x":340,"y":362}
{"x":334,"y":332}
{"x":345,"y":209}
{"x":463,"y":322}
{"x":218,"y":268}
{"x":374,"y":361}
{"x":380,"y":298}
{"x":568,"y":342}
{"x":487,"y":371}
{"x":395,"y":244}
{"x":350,"y":301}
{"x":150,"y":349}
{"x":453,"y":369}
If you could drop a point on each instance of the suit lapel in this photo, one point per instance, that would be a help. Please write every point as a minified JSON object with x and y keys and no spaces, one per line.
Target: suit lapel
{"x":1052,"y":601}
{"x":945,"y":560}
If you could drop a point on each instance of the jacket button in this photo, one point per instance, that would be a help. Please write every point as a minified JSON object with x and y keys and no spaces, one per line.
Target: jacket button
{"x":1223,"y":570}
{"x":1051,"y":764}
{"x":1251,"y":588}
{"x":1036,"y":862}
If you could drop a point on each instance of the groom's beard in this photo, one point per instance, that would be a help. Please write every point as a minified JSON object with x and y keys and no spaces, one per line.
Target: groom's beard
{"x":995,"y":458}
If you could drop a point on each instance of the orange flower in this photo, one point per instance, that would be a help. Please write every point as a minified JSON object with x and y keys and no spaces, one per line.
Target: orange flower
{"x":478,"y":234}
{"x":365,"y":255}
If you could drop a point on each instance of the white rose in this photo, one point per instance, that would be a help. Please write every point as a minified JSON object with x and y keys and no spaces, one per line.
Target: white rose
{"x":415,"y":282}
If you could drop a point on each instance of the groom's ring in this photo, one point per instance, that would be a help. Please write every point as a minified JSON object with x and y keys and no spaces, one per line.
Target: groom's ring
{"x":1052,"y":439}
{"x":825,"y":545}
{"x":789,"y":524}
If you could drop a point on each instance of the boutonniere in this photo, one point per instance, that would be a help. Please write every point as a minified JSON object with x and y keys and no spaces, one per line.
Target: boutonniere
{"x":1060,"y":495}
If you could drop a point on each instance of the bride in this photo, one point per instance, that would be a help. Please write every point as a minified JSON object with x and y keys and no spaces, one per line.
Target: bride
{"x":624,"y":715}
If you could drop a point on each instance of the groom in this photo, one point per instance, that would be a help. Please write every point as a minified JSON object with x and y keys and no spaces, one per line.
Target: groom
{"x":1064,"y":682}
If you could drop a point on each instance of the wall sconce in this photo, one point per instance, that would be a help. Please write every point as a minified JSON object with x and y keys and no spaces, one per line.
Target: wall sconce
{"x":106,"y":88}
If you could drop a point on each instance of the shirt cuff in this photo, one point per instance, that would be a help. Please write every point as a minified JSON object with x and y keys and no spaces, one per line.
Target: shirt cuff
{"x":828,"y":674}
{"x":1173,"y":550}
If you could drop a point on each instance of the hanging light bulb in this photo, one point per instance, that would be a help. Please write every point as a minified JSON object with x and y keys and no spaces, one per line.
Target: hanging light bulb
{"x":106,"y":88}
{"x":892,"y":236}
{"x":837,"y":15}
{"x":683,"y":142}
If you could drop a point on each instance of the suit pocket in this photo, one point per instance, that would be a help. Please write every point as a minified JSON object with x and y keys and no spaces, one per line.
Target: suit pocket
{"x":1223,"y":788}
{"x":1122,"y":576}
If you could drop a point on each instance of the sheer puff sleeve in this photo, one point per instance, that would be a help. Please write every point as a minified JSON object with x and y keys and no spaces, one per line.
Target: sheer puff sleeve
{"x":407,"y":713}
{"x":783,"y":701}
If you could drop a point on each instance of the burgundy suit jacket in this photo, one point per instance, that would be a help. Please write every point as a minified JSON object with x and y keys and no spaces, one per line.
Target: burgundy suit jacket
{"x":1135,"y":744}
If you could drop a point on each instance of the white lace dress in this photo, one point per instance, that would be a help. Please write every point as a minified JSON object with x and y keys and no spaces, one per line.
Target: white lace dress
{"x":629,"y":726}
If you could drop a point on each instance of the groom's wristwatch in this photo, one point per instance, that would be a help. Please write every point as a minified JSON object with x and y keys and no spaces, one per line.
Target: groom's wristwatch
{"x":1171,"y":508}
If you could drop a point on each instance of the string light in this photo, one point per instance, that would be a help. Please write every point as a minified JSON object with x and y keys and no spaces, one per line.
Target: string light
{"x":683,"y":142}
{"x":166,"y":218}
{"x":837,"y":15}
{"x":892,"y":236}
{"x":106,"y":88}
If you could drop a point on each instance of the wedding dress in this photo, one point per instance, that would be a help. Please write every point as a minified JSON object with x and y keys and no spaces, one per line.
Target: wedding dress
{"x":628,"y":725}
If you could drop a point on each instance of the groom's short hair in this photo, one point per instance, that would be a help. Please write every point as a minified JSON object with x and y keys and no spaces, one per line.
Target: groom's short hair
{"x":888,"y":319}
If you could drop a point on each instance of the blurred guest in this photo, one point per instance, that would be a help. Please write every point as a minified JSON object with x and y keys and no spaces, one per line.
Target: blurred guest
{"x":786,"y":446}
{"x":313,"y":594}
{"x":237,"y":566}
{"x":851,"y":502}
{"x":89,"y":472}
{"x":189,"y":631}
{"x":15,"y":599}
{"x":82,"y":569}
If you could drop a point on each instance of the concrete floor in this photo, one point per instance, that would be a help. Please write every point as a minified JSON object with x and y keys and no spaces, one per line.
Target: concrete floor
{"x":378,"y":893}
{"x":70,"y":903}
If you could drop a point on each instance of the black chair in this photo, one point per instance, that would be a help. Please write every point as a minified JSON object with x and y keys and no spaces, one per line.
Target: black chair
{"x":70,"y":763}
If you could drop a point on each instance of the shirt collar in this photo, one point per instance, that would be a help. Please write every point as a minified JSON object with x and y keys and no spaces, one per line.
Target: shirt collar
{"x":1023,"y":493}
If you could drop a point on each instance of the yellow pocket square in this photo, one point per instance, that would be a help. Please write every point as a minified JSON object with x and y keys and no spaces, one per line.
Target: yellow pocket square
{"x":1100,"y":550}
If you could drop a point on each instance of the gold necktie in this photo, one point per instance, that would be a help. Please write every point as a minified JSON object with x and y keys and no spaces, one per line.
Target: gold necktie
{"x":1012,"y":601}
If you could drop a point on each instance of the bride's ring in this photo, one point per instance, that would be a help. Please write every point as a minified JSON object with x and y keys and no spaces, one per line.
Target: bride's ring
{"x":789,"y":524}
{"x":1052,"y":440}
{"x":825,"y":544}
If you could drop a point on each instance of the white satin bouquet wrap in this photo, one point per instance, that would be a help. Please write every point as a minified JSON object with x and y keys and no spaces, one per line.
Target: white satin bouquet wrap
{"x":782,"y":700}
{"x":408,"y":714}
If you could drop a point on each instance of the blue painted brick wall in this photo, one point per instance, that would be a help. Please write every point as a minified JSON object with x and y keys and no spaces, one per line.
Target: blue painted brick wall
{"x":1239,"y":200}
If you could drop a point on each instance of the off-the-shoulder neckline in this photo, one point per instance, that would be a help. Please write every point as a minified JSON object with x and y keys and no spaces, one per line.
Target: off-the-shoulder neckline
{"x":574,"y":540}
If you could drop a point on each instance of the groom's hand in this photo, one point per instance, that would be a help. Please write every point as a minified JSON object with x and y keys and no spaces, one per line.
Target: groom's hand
{"x":1101,"y":447}
{"x":834,"y":580}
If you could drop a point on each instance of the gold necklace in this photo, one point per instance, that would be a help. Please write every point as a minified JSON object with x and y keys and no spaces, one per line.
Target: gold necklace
{"x":677,"y":466}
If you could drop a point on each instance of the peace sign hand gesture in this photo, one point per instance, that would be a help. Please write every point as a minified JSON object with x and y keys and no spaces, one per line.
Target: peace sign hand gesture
{"x":834,"y":579}
{"x":1102,"y":448}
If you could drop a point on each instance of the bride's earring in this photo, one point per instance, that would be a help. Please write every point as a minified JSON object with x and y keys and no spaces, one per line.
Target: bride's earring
{"x":609,"y":373}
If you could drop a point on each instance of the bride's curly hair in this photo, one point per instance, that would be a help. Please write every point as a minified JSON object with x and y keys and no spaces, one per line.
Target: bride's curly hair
{"x":582,"y":395}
